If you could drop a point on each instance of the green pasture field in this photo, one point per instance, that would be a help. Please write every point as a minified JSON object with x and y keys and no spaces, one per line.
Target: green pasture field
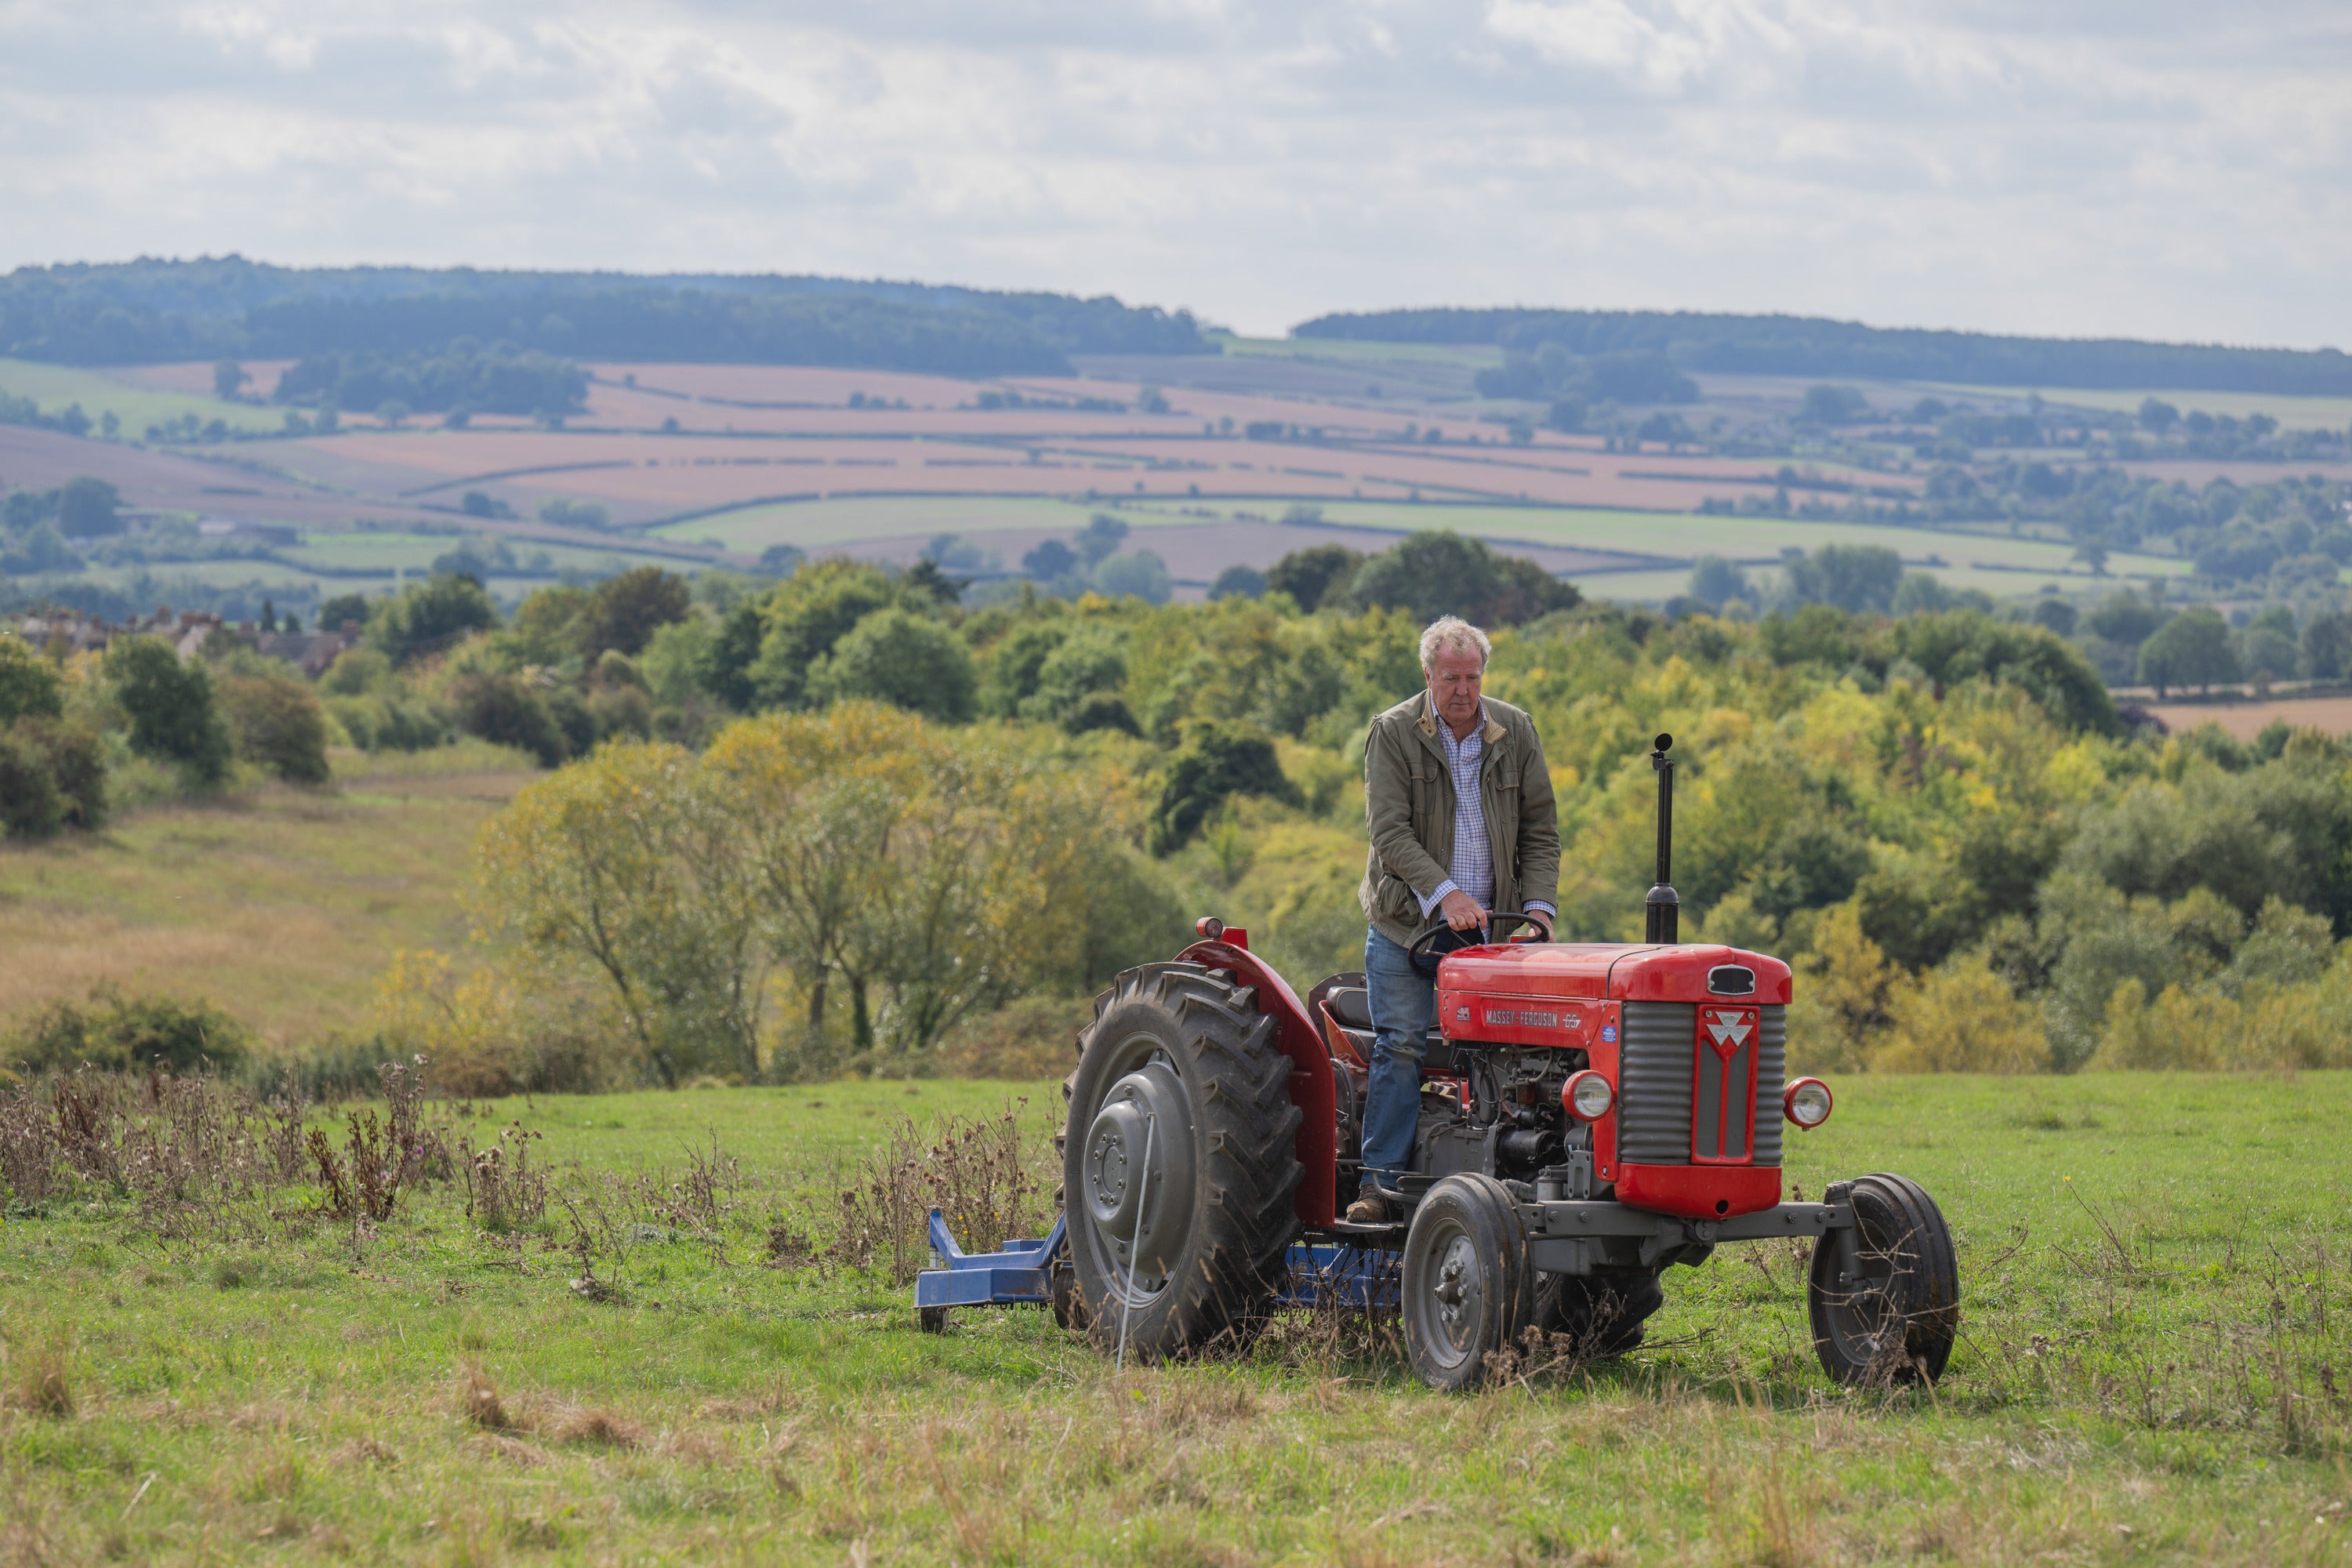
{"x":56,"y":387}
{"x":345,"y":549}
{"x":1996,"y":563}
{"x":281,"y":906}
{"x":812,"y":525}
{"x":2293,"y":412}
{"x":1469,"y":356}
{"x":2152,"y":1370}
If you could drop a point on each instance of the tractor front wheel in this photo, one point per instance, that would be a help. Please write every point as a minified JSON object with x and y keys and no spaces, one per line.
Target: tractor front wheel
{"x":1179,"y":1163}
{"x":1467,"y":1287}
{"x":1885,"y":1297}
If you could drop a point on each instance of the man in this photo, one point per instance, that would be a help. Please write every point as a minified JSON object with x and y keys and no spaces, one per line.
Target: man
{"x":1458,"y":805}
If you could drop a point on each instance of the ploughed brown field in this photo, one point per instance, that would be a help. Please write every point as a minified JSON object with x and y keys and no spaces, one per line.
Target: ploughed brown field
{"x":2244,"y":721}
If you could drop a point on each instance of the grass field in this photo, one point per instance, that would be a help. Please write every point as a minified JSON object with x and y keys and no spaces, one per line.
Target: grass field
{"x":55,"y":386}
{"x":2291,"y":413}
{"x":281,"y":906}
{"x":1994,"y":563}
{"x":1476,"y":356}
{"x":2152,"y":1369}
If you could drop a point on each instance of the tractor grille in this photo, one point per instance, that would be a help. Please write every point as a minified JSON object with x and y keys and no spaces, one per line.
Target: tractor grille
{"x":1653,"y":1082}
{"x":1772,"y":1064}
{"x":1655,"y":1062}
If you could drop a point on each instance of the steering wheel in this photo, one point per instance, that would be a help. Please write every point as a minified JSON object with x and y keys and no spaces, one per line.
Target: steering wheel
{"x":1423,"y":955}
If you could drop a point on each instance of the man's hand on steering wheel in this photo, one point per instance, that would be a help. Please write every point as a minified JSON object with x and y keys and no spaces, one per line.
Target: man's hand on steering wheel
{"x":1542,"y":924}
{"x":1462,"y":912}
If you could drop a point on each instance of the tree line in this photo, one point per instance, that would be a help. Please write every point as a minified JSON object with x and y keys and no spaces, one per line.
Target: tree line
{"x":1817,"y":346}
{"x":226,"y":308}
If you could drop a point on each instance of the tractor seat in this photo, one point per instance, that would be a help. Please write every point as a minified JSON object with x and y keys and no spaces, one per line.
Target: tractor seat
{"x":1352,"y":1005}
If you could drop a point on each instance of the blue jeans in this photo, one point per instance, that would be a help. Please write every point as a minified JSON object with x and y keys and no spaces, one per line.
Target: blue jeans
{"x":1403,"y":1000}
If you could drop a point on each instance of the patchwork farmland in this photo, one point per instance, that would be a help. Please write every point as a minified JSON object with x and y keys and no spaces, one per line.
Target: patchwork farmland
{"x":1233,"y":458}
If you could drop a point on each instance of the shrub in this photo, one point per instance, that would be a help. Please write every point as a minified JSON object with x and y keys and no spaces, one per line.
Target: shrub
{"x":277,"y":721}
{"x":505,"y":709}
{"x":170,"y":708}
{"x":120,"y":1035}
{"x":30,"y":685}
{"x":52,"y":776}
{"x":1962,"y":1018}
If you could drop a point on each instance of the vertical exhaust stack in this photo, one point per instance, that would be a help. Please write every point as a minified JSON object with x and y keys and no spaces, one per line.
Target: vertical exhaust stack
{"x":1665,"y":909}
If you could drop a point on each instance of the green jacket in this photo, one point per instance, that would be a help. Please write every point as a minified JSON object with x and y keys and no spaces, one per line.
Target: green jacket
{"x":1409,"y":815}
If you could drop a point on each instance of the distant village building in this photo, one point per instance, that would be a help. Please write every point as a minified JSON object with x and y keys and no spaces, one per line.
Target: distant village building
{"x":71,"y":632}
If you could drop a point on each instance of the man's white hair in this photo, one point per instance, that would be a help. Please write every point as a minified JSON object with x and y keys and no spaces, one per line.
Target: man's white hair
{"x":1451,"y":634}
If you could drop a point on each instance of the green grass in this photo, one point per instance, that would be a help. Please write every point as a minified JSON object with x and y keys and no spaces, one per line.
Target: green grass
{"x":2139,"y":1254}
{"x":1347,"y":350}
{"x":813,"y":525}
{"x":1994,"y":563}
{"x":2293,"y":412}
{"x":54,"y":387}
{"x":282,"y":905}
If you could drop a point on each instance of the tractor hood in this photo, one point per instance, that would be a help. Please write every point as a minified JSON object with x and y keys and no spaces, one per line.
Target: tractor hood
{"x":1614,"y":971}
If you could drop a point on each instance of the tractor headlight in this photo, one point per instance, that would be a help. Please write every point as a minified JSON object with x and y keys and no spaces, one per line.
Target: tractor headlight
{"x":1587,"y":1096}
{"x":1806,"y":1103}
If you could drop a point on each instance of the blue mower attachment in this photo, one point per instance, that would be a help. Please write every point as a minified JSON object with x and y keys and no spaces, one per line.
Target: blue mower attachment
{"x":1024,"y":1274}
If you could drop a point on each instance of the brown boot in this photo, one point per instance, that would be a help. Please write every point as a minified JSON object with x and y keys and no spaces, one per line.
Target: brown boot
{"x":1370,"y":1208}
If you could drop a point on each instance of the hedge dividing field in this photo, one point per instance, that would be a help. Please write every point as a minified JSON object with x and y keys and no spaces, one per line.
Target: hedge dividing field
{"x":673,"y":1355}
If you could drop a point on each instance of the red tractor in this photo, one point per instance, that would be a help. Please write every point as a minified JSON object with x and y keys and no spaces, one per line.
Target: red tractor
{"x":1592,"y":1113}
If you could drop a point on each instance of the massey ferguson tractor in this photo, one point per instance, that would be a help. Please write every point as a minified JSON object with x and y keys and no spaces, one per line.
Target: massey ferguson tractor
{"x":1592,"y":1114}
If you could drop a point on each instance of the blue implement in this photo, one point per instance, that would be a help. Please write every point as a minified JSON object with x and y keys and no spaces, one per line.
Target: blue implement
{"x":1019,"y":1274}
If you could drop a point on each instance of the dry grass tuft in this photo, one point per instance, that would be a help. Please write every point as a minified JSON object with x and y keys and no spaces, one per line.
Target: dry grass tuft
{"x":698,"y":1447}
{"x":478,"y":1401}
{"x":366,"y":1451}
{"x":599,"y":1428}
{"x":44,"y":1383}
{"x":513,"y":1451}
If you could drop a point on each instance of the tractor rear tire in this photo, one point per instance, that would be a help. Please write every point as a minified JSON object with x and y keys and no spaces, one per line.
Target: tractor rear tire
{"x":1895,"y":1323}
{"x":1467,"y":1287}
{"x":1606,"y":1314}
{"x":1179,"y":1163}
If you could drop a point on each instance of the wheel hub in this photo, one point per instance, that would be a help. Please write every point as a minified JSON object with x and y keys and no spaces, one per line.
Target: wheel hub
{"x":1457,"y":1290}
{"x":1138,"y":1174}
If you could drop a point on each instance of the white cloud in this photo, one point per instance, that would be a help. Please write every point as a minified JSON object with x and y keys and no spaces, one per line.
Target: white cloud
{"x":2145,"y":166}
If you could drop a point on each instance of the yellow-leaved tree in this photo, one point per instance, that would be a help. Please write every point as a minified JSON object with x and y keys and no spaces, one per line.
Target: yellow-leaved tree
{"x":630,"y":863}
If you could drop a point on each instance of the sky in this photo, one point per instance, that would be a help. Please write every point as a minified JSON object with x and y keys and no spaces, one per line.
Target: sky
{"x":2145,"y":168}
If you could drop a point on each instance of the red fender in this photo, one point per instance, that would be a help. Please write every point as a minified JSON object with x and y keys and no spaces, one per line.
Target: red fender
{"x":1311,"y":1088}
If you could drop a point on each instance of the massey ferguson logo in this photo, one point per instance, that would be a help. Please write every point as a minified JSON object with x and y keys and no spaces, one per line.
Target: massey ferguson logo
{"x":1729,"y":1031}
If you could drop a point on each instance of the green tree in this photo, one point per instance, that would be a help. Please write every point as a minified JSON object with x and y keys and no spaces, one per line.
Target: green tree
{"x":174,"y":717}
{"x":1217,"y":762}
{"x":1715,"y":580}
{"x":1088,"y":661}
{"x":623,"y":613}
{"x":2327,"y":645}
{"x":1311,"y":576}
{"x":1134,"y":574}
{"x":229,"y":378}
{"x":2192,"y":648}
{"x":801,"y":619}
{"x":1103,"y":534}
{"x":430,"y":617}
{"x":1014,"y":665}
{"x":277,"y":721}
{"x":30,"y":685}
{"x":906,"y":661}
{"x":1238,"y":582}
{"x":1860,"y":579}
{"x":87,"y":508}
{"x":1440,"y":572}
{"x":343,"y":609}
{"x":1835,"y":406}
